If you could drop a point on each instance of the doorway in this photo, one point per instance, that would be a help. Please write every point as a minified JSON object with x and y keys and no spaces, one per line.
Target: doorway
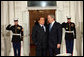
{"x":33,"y":15}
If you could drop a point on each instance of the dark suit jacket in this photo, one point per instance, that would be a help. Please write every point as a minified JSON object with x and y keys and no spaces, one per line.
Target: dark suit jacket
{"x":55,"y":35}
{"x":39,"y":36}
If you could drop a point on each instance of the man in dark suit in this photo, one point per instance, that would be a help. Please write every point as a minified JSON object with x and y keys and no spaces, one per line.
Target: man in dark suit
{"x":55,"y":36}
{"x":39,"y":37}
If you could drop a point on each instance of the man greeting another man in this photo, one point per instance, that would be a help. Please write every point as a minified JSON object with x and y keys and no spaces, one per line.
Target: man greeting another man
{"x":52,"y":38}
{"x":55,"y":36}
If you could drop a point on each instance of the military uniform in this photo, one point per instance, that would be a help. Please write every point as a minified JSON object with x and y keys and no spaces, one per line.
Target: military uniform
{"x":17,"y":37}
{"x":70,"y":35}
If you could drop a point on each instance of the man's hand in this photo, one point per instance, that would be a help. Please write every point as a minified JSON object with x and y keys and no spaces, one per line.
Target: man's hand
{"x":58,"y":45}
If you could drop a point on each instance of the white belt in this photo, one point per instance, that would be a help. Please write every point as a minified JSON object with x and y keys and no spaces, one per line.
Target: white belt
{"x":16,"y":34}
{"x":69,"y":31}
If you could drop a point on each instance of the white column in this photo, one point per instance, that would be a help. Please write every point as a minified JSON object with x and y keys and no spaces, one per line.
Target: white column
{"x":20,"y":6}
{"x":72,"y":11}
{"x":81,"y":24}
{"x":2,"y":33}
{"x":11,"y":12}
{"x":78,"y":31}
{"x":81,"y":7}
{"x":26,"y":43}
{"x":5,"y":21}
{"x":59,"y":11}
{"x":66,"y":10}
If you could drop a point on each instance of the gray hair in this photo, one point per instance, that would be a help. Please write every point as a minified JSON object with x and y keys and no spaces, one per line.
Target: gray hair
{"x":52,"y":16}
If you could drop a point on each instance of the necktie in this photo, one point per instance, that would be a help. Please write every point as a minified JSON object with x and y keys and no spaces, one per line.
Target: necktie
{"x":43,"y":28}
{"x":50,"y":27}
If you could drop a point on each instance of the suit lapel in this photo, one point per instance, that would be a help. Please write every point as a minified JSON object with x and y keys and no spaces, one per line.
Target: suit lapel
{"x":41,"y":27}
{"x":53,"y":26}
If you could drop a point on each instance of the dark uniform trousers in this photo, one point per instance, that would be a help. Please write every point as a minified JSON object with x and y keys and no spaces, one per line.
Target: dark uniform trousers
{"x":16,"y":39}
{"x":69,"y":37}
{"x":69,"y":46}
{"x":17,"y":47}
{"x":39,"y":38}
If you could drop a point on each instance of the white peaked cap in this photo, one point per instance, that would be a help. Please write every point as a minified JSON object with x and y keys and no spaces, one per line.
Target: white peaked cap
{"x":68,"y":16}
{"x":15,"y":18}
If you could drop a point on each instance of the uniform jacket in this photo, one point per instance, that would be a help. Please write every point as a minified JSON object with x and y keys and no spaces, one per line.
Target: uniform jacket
{"x":69,"y":27}
{"x":16,"y":30}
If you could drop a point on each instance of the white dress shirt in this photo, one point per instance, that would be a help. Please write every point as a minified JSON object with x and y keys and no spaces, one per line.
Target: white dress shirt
{"x":43,"y":27}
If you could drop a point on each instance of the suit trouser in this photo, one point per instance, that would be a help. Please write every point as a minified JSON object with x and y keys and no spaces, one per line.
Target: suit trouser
{"x":17,"y":48}
{"x":41,"y":51}
{"x":54,"y":51}
{"x":69,"y":46}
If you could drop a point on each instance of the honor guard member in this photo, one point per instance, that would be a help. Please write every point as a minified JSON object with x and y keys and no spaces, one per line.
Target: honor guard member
{"x":17,"y":36}
{"x":70,"y":35}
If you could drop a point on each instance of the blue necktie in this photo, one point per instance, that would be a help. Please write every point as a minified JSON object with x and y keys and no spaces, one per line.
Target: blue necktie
{"x":50,"y":27}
